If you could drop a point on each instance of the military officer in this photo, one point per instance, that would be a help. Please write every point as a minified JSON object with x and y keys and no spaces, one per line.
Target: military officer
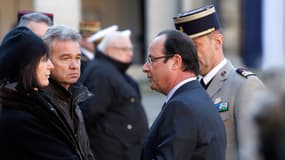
{"x":87,"y":29}
{"x":230,"y":88}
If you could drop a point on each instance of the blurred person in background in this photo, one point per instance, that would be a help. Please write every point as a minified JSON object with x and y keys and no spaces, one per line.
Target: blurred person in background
{"x":268,"y":115}
{"x":87,"y":29}
{"x":38,"y":22}
{"x":92,"y":35}
{"x":64,"y":90}
{"x":115,"y":118}
{"x":230,"y":88}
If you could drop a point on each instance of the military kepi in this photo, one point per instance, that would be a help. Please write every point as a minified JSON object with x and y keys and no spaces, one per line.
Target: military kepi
{"x":198,"y":22}
{"x":88,"y":28}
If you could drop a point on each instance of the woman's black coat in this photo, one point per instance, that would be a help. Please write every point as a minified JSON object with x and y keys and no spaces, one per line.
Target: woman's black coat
{"x":32,"y":129}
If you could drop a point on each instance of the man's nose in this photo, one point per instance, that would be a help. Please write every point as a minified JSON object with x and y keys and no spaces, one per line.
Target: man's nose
{"x":75,"y":63}
{"x":145,"y":67}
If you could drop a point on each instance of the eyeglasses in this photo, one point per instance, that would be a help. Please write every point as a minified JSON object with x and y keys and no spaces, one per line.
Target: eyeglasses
{"x":150,"y":59}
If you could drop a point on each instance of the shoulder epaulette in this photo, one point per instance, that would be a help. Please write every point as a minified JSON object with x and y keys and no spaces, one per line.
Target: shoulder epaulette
{"x":244,"y":72}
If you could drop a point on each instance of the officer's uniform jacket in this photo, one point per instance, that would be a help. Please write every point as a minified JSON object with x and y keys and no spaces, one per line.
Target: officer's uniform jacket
{"x":231,"y":91}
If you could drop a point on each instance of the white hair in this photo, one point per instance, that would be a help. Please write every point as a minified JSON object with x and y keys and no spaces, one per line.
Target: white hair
{"x":112,"y":37}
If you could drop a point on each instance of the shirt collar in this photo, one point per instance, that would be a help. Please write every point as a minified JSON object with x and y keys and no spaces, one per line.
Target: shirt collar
{"x":207,"y":78}
{"x":172,"y":91}
{"x":87,"y":53}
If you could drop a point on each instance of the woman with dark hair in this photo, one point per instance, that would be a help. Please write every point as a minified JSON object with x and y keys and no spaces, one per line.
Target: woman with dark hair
{"x":30,"y":127}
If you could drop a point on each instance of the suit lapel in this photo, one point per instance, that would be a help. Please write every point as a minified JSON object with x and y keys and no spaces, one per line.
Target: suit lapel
{"x":157,"y":119}
{"x":219,"y":79}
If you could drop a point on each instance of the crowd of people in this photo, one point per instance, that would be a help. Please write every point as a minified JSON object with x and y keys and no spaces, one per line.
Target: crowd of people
{"x":64,"y":96}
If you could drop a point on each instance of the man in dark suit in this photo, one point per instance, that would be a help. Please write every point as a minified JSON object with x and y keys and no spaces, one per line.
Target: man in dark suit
{"x":188,"y":126}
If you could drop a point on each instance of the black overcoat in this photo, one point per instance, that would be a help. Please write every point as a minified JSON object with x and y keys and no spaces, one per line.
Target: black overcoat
{"x":115,"y":118}
{"x":32,"y":129}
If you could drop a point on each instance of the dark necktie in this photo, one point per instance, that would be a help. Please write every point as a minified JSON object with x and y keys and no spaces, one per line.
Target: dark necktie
{"x":203,"y":84}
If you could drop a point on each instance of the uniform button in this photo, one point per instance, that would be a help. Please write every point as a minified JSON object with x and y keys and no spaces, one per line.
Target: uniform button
{"x":223,"y":73}
{"x":132,"y":99}
{"x":129,"y":126}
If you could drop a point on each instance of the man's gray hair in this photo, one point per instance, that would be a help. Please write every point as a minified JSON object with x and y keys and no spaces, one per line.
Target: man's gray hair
{"x":61,"y":33}
{"x":34,"y":17}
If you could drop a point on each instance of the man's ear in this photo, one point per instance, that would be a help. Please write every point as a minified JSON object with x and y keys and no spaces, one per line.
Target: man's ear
{"x":176,"y":61}
{"x":219,"y":39}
